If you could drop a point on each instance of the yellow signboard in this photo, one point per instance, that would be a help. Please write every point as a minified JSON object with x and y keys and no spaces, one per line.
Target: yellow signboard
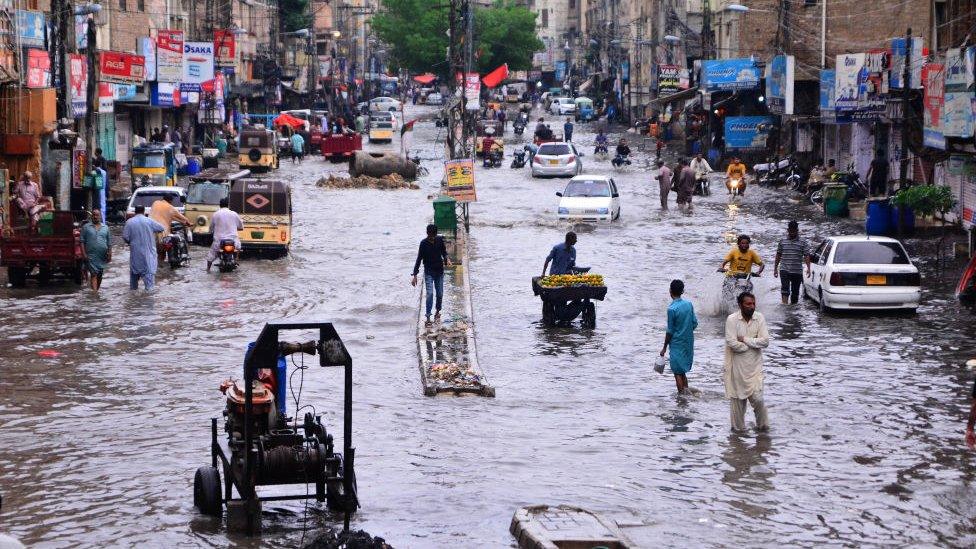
{"x":460,"y":180}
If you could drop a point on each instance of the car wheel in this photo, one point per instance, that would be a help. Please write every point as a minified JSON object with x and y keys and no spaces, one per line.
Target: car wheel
{"x":821,"y":304}
{"x":618,"y":214}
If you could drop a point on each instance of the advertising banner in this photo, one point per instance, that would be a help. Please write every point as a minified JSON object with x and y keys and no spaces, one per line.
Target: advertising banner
{"x":668,"y":79}
{"x":730,"y":74}
{"x":460,"y":180}
{"x":78,"y":84}
{"x":78,"y":167}
{"x":225,"y":47}
{"x":827,"y":90}
{"x":31,"y":27}
{"x":898,"y":63}
{"x":957,"y":114}
{"x":560,"y":71}
{"x":147,"y":49}
{"x":124,"y":92}
{"x":165,"y":94}
{"x":121,"y":68}
{"x":198,"y":65}
{"x":873,"y":85}
{"x":169,"y":56}
{"x":472,"y":91}
{"x":747,"y":132}
{"x":106,"y":99}
{"x":38,"y":69}
{"x":933,"y":103}
{"x":968,"y":202}
{"x":81,"y":31}
{"x":849,"y":74}
{"x":779,"y":84}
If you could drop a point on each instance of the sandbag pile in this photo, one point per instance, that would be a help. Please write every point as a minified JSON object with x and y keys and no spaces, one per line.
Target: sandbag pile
{"x":387,"y":182}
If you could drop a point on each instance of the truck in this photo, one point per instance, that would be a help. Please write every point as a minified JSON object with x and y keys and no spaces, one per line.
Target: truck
{"x":54,"y":249}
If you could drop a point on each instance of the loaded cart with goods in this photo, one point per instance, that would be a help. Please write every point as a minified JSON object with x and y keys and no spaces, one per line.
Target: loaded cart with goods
{"x":567,"y":296}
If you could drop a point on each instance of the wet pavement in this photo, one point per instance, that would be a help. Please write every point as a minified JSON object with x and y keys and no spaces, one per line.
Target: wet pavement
{"x":98,"y":445}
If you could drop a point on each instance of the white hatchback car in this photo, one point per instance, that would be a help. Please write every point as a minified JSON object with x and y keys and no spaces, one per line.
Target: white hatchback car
{"x":563,"y":105}
{"x":385,"y":104}
{"x":862,"y":272}
{"x":145,"y":196}
{"x":589,"y":199}
{"x":557,"y":159}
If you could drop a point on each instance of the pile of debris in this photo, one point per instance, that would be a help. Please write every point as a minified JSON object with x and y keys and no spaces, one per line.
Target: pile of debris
{"x":454,"y":374}
{"x":358,"y":539}
{"x":387,"y":182}
{"x":452,"y":330}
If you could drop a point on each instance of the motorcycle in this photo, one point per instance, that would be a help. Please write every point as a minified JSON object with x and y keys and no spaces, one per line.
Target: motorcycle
{"x":492,"y":159}
{"x":177,"y":251}
{"x":520,"y":123}
{"x":227,"y":256}
{"x":518,"y":159}
{"x":856,"y":189}
{"x":703,"y":186}
{"x":736,"y":186}
{"x":772,"y":173}
{"x":733,"y":285}
{"x":621,"y":160}
{"x":601,"y":152}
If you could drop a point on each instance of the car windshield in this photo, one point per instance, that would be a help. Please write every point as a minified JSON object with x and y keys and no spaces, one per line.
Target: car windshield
{"x":589,"y":188}
{"x":554,"y":150}
{"x":566,"y":101}
{"x":149,"y":161}
{"x":870,"y":253}
{"x":147,"y":198}
{"x":206,"y":193}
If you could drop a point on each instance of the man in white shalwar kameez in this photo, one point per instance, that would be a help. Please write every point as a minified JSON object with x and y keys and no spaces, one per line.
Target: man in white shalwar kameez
{"x":745,"y":338}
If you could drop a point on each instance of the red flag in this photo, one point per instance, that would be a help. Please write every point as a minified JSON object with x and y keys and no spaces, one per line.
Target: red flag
{"x":495,"y":77}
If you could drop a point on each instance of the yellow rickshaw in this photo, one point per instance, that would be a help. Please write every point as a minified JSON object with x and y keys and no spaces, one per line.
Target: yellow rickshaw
{"x":257,"y":149}
{"x":381,"y":130}
{"x":480,"y":127}
{"x":265,"y":208}
{"x":153,"y":165}
{"x":203,"y":196}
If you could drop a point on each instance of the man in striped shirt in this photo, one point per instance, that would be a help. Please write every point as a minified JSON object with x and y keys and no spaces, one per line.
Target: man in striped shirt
{"x":791,"y":254}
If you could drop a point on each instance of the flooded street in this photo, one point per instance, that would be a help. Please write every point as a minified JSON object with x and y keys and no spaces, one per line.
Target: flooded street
{"x":99,"y":443}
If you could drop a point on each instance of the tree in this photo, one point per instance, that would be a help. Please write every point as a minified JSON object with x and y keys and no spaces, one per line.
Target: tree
{"x":294,"y":15}
{"x":416,"y":33}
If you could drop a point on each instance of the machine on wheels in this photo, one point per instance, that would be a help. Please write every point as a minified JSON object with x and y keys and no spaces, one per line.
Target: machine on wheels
{"x":264,"y":447}
{"x":562,"y":304}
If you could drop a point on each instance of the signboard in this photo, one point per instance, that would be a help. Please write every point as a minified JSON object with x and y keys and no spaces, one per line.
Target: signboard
{"x":625,"y":71}
{"x":744,"y":133}
{"x":124,"y":92}
{"x":847,"y":83}
{"x":169,"y":55}
{"x":121,"y":68}
{"x":106,"y":101}
{"x":38,"y":69}
{"x":472,"y":91}
{"x":31,"y":28}
{"x":460,"y":180}
{"x":198,"y":65}
{"x":968,"y":202}
{"x":165,"y":94}
{"x":779,"y":84}
{"x":79,"y":166}
{"x":873,"y":85}
{"x":957,"y":114}
{"x":898,"y":63}
{"x":81,"y":31}
{"x":668,"y":79}
{"x":730,"y":74}
{"x":147,"y":49}
{"x":933,"y":103}
{"x":225,"y":47}
{"x":78,"y":84}
{"x":827,"y":90}
{"x":560,"y":71}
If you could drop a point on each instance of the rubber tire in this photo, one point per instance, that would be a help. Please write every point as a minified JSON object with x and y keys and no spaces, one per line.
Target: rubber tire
{"x":208,"y":491}
{"x":820,"y":303}
{"x":17,"y":276}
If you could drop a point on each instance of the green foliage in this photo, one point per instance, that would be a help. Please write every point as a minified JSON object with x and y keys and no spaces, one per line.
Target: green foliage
{"x":416,"y":31}
{"x":925,"y":200}
{"x":294,"y":15}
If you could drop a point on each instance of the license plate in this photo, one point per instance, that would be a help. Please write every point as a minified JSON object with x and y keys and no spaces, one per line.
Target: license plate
{"x":877,"y":280}
{"x":257,"y":234}
{"x":553,"y":162}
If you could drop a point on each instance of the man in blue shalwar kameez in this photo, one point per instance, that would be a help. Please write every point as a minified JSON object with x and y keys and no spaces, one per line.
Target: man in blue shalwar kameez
{"x":140,"y":233}
{"x":681,"y":335}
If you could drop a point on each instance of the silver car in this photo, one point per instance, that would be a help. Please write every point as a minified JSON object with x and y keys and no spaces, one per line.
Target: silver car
{"x":557,"y":160}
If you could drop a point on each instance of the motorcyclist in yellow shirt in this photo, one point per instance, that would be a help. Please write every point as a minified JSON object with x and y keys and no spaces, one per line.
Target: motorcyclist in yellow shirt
{"x":736,"y":171}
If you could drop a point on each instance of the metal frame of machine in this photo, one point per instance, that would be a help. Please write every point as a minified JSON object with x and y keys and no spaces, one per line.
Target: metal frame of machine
{"x":306,"y":454}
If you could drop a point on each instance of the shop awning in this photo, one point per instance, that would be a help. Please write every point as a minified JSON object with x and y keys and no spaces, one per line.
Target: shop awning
{"x":425,"y":78}
{"x":495,"y":77}
{"x":678,"y":96}
{"x":586,"y":85}
{"x":289,"y":120}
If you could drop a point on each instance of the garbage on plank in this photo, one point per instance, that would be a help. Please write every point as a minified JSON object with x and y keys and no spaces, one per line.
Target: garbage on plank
{"x":358,"y":539}
{"x":386,"y":182}
{"x":453,"y":330}
{"x":454,"y":374}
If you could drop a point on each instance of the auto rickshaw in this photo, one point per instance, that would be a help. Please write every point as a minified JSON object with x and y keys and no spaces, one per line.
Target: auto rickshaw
{"x":584,"y":109}
{"x":257,"y":149}
{"x":265,"y":207}
{"x":153,"y":164}
{"x":480,"y":127}
{"x":381,"y":130}
{"x":203,"y":196}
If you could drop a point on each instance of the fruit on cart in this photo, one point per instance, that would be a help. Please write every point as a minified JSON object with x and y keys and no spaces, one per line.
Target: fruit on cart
{"x":558,"y":281}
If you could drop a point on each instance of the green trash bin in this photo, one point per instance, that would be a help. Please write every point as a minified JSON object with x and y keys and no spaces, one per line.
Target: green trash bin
{"x":444,"y":213}
{"x":45,"y":225}
{"x":835,"y":200}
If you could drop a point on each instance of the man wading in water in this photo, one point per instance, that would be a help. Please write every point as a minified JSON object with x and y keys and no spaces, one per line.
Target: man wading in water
{"x":745,"y":338}
{"x":681,"y":335}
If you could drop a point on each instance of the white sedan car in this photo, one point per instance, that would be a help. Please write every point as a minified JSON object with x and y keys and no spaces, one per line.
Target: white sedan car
{"x":557,"y":159}
{"x":589,"y":199}
{"x":862,"y":272}
{"x":145,"y":196}
{"x":562,"y":105}
{"x":384,"y":104}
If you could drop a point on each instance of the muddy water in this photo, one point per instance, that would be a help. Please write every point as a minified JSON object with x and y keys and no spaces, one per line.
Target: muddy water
{"x":98,"y":445}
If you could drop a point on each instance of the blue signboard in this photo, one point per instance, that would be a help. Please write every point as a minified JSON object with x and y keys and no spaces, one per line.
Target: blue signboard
{"x":730,"y":74}
{"x":560,"y":71}
{"x":625,"y":71}
{"x":827,"y":78}
{"x":747,"y":132}
{"x":31,"y":26}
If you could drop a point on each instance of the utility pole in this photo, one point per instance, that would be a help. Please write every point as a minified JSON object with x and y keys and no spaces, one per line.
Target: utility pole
{"x":905,"y":91}
{"x":311,"y":53}
{"x":57,"y":54}
{"x":92,"y":100}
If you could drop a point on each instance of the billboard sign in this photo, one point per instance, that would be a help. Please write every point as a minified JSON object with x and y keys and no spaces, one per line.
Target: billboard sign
{"x":121,"y":68}
{"x":460,"y":180}
{"x":668,"y":79}
{"x":472,"y":91}
{"x":169,"y":55}
{"x":849,"y":74}
{"x":38,"y":69}
{"x":78,"y":84}
{"x":730,"y":74}
{"x":898,"y":63}
{"x":933,"y":104}
{"x":165,"y":94}
{"x":779,"y":84}
{"x":147,"y":49}
{"x":225,"y":47}
{"x":198,"y":65}
{"x":746,"y":133}
{"x":31,"y":27}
